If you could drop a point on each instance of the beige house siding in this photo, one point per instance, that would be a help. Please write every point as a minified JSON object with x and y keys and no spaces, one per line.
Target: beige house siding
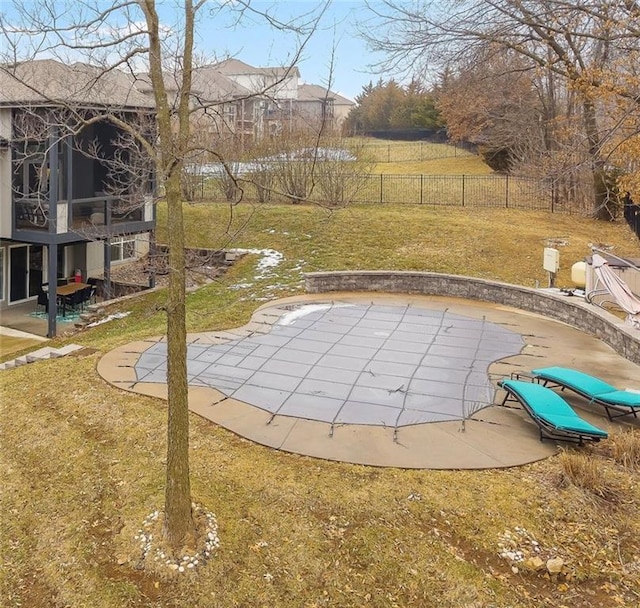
{"x":5,"y":193}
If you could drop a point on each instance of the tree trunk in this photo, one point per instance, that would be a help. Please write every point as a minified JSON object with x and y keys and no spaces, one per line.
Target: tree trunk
{"x":598,"y":169}
{"x":178,"y":526}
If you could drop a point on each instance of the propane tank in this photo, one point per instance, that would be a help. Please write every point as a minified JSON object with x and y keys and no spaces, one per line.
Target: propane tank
{"x":579,"y":274}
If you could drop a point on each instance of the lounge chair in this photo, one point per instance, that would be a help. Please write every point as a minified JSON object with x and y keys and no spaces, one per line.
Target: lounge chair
{"x":624,"y":402}
{"x":553,"y":415}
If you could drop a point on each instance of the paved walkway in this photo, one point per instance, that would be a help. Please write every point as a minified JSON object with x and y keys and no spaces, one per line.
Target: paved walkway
{"x":364,"y":379}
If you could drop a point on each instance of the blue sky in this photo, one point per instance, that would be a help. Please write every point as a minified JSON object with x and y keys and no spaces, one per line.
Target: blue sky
{"x":221,"y":34}
{"x":258,"y":44}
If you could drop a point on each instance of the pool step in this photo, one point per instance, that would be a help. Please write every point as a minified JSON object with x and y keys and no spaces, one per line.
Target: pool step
{"x":40,"y":355}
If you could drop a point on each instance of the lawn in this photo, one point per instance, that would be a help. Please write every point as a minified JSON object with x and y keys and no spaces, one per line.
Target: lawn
{"x":12,"y":344}
{"x":462,"y":165}
{"x":404,"y":172}
{"x":83,"y":462}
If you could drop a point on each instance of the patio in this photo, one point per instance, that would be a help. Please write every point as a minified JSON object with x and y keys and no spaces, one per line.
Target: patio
{"x":21,"y":317}
{"x":473,"y":434}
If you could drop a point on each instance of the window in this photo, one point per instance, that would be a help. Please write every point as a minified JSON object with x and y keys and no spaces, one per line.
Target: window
{"x":327,"y":108}
{"x":229,"y":114}
{"x":123,"y":248}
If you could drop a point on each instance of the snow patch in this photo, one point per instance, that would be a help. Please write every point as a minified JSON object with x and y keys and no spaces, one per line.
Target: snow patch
{"x":290,"y":317}
{"x":270,"y":259}
{"x":116,"y":315}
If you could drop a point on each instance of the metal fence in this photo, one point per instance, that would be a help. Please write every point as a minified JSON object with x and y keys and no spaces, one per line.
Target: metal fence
{"x":456,"y":190}
{"x":489,"y":191}
{"x":414,"y":151}
{"x":632,"y":215}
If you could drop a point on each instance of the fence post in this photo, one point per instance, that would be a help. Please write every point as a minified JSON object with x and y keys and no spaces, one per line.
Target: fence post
{"x":381,"y":177}
{"x":421,"y":181}
{"x":506,"y":188}
{"x":389,"y":153}
{"x":463,"y":189}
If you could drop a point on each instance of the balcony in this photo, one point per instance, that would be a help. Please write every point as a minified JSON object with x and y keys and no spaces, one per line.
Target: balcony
{"x":31,"y":214}
{"x":84,"y":215}
{"x":96,"y":212}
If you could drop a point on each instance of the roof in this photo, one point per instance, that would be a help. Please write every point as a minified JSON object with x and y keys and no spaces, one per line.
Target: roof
{"x":50,"y":82}
{"x":210,"y":84}
{"x":235,"y":67}
{"x":314,"y":92}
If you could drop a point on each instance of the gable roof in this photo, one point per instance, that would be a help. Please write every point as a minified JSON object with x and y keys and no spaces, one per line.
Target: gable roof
{"x":314,"y":92}
{"x":210,"y":84}
{"x":235,"y":67}
{"x":50,"y":82}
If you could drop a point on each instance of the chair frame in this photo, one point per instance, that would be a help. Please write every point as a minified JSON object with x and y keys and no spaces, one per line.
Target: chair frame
{"x":624,"y":410}
{"x":547,"y":429}
{"x":42,"y":295}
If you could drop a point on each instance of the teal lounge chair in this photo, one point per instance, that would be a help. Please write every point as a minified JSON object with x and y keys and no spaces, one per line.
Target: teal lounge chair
{"x":624,"y":402}
{"x":552,"y":414}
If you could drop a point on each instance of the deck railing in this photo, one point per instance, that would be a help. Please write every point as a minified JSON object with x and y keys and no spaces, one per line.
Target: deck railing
{"x":84,"y":213}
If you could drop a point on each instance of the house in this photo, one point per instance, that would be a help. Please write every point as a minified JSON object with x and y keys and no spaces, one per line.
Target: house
{"x":272,"y":91}
{"x":316,"y":105}
{"x":265,"y":102}
{"x":249,"y":104}
{"x":74,"y":189}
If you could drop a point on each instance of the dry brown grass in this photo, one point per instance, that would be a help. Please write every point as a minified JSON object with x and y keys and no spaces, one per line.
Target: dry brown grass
{"x":14,"y":344}
{"x":461,"y":165}
{"x":83,"y":462}
{"x":625,"y":449}
{"x":585,"y":471}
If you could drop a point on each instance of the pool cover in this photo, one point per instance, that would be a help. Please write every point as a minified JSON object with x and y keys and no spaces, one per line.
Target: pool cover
{"x":353,"y":364}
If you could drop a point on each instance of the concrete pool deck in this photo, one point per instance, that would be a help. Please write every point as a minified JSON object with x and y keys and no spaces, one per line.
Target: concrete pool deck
{"x":492,"y":437}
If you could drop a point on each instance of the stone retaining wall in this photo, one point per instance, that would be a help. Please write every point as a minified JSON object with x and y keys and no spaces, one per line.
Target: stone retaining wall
{"x":571,"y":310}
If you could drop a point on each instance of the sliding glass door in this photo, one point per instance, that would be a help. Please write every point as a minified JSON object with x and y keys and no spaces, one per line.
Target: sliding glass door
{"x":26,"y":271}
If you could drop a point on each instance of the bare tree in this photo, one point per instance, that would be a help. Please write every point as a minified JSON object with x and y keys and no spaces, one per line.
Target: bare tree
{"x":591,"y":46}
{"x":123,"y":39}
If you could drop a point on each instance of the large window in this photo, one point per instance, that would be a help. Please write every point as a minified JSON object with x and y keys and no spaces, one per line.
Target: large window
{"x":123,"y":248}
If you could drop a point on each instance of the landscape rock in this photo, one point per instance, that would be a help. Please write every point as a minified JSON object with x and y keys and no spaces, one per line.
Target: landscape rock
{"x":554,"y":565}
{"x":534,"y":563}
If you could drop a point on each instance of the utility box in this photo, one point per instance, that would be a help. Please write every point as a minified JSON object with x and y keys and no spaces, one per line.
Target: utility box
{"x":551,"y":260}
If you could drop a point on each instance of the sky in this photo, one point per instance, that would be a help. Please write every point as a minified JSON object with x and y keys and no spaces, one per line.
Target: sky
{"x":225,"y":30}
{"x":253,"y":41}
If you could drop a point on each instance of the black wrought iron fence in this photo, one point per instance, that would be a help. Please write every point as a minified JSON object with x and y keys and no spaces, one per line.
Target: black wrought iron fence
{"x":413,"y":151}
{"x":447,"y":190}
{"x":632,"y":215}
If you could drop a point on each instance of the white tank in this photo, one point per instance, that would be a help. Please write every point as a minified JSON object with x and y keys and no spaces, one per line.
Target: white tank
{"x":579,"y":274}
